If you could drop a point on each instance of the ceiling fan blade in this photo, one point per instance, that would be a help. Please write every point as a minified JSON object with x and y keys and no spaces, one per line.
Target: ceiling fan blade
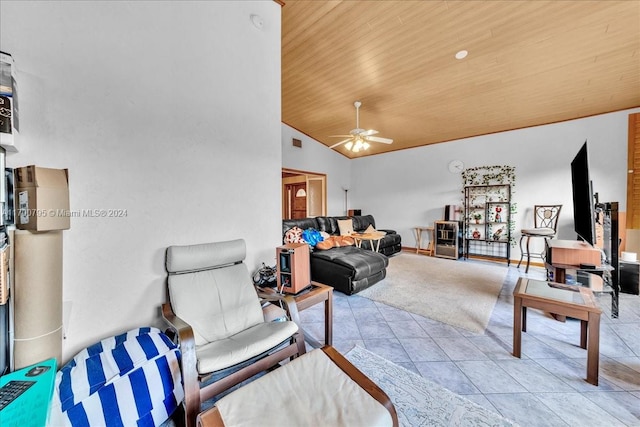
{"x":379,"y":139}
{"x":341,"y":142}
{"x":359,"y":136}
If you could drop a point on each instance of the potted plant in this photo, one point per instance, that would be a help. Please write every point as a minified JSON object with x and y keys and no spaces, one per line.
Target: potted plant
{"x":477,"y":217}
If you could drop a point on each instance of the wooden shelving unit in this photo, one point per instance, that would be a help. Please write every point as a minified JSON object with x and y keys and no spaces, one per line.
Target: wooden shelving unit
{"x":448,"y":239}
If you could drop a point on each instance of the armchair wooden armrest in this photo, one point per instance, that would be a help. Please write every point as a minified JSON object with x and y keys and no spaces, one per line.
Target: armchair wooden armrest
{"x":187,"y":344}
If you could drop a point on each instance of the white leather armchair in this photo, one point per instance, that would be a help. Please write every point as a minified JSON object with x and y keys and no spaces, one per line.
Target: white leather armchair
{"x":216,"y":316}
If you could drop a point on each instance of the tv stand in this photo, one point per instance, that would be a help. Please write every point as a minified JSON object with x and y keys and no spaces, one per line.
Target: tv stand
{"x":562,"y":255}
{"x":572,"y":252}
{"x":587,"y":266}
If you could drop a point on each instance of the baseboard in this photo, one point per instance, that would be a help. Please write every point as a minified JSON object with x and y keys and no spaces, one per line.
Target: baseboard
{"x":504,"y":261}
{"x":485,"y":258}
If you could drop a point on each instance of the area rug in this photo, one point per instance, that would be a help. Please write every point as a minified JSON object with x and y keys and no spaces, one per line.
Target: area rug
{"x":458,"y":293}
{"x":418,"y":401}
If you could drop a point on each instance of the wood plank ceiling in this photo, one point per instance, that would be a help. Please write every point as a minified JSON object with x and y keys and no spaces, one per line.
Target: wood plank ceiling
{"x":529,"y":63}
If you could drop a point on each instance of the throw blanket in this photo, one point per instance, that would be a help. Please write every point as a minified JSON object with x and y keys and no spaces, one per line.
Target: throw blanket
{"x":129,"y":379}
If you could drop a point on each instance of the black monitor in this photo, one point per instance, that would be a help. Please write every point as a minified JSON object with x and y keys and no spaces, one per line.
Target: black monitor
{"x":583,"y":200}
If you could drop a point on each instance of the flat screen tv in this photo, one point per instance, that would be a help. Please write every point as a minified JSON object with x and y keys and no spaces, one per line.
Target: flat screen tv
{"x":583,"y":201}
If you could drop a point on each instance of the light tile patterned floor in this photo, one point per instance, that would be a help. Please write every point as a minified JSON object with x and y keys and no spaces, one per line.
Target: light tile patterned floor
{"x":546,"y":387}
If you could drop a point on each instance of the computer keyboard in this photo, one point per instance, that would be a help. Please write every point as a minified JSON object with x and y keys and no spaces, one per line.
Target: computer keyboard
{"x":11,"y":390}
{"x":25,"y":395}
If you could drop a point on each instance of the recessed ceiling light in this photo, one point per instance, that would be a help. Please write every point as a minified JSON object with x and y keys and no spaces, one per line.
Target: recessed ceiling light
{"x":462,"y":54}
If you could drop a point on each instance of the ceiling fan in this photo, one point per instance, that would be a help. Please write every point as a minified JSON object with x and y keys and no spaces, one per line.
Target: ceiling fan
{"x":359,"y":139}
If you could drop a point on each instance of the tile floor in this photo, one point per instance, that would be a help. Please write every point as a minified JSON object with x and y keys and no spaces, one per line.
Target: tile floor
{"x":546,"y":387}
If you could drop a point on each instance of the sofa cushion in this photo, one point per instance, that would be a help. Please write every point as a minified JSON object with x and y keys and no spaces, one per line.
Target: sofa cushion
{"x":370,"y":229}
{"x":345,"y":226}
{"x":363,"y":263}
{"x":361,"y":222}
{"x":303,"y":224}
{"x":328,"y":224}
{"x":294,"y":235}
{"x":335,"y":242}
{"x":326,"y":244}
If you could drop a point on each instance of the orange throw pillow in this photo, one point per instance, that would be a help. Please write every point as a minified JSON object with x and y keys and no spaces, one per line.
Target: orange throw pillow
{"x":325,"y":244}
{"x":335,"y":242}
{"x":347,"y":241}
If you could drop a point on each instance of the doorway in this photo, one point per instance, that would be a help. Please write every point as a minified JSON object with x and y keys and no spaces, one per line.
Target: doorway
{"x":304,"y":194}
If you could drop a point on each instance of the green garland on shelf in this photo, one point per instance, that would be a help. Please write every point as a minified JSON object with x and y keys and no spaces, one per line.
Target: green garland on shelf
{"x":494,"y":175}
{"x":490,"y":175}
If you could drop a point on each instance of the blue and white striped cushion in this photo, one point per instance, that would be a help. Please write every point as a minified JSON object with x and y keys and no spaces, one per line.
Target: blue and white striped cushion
{"x":129,"y":379}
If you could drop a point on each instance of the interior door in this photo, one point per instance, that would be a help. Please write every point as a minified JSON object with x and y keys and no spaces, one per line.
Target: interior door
{"x":299,"y":200}
{"x":304,"y":194}
{"x":315,"y":199}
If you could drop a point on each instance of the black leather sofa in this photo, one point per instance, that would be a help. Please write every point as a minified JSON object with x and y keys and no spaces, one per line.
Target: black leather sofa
{"x":348,"y":269}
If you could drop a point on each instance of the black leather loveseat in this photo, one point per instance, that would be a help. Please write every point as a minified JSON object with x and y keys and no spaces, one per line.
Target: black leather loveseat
{"x":348,"y":269}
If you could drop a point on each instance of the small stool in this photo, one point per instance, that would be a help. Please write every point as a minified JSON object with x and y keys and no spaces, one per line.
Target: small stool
{"x":429,"y":249}
{"x":319,"y":388}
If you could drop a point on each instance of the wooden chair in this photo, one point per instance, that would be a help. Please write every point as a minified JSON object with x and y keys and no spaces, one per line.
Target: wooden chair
{"x":545,"y":223}
{"x":320,"y":388}
{"x":216,"y":315}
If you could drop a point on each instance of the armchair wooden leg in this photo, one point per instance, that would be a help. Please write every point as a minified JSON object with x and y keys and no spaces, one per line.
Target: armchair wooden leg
{"x":192,"y":406}
{"x":299,"y":337}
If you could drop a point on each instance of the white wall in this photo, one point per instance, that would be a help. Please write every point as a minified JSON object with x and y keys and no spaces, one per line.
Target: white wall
{"x":407,"y":188}
{"x":317,"y":157}
{"x":170,"y":110}
{"x":416,"y":184}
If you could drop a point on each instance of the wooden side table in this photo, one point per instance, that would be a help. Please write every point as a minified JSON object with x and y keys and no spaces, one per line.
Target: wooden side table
{"x":311,"y":296}
{"x":567,"y":300}
{"x":371,"y":238}
{"x":429,"y":249}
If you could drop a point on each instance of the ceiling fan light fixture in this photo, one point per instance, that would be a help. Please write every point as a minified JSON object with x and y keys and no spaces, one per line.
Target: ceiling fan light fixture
{"x":359,"y":139}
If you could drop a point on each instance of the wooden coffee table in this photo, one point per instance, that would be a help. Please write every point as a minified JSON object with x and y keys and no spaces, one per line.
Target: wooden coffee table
{"x":572,"y":301}
{"x":371,"y":237}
